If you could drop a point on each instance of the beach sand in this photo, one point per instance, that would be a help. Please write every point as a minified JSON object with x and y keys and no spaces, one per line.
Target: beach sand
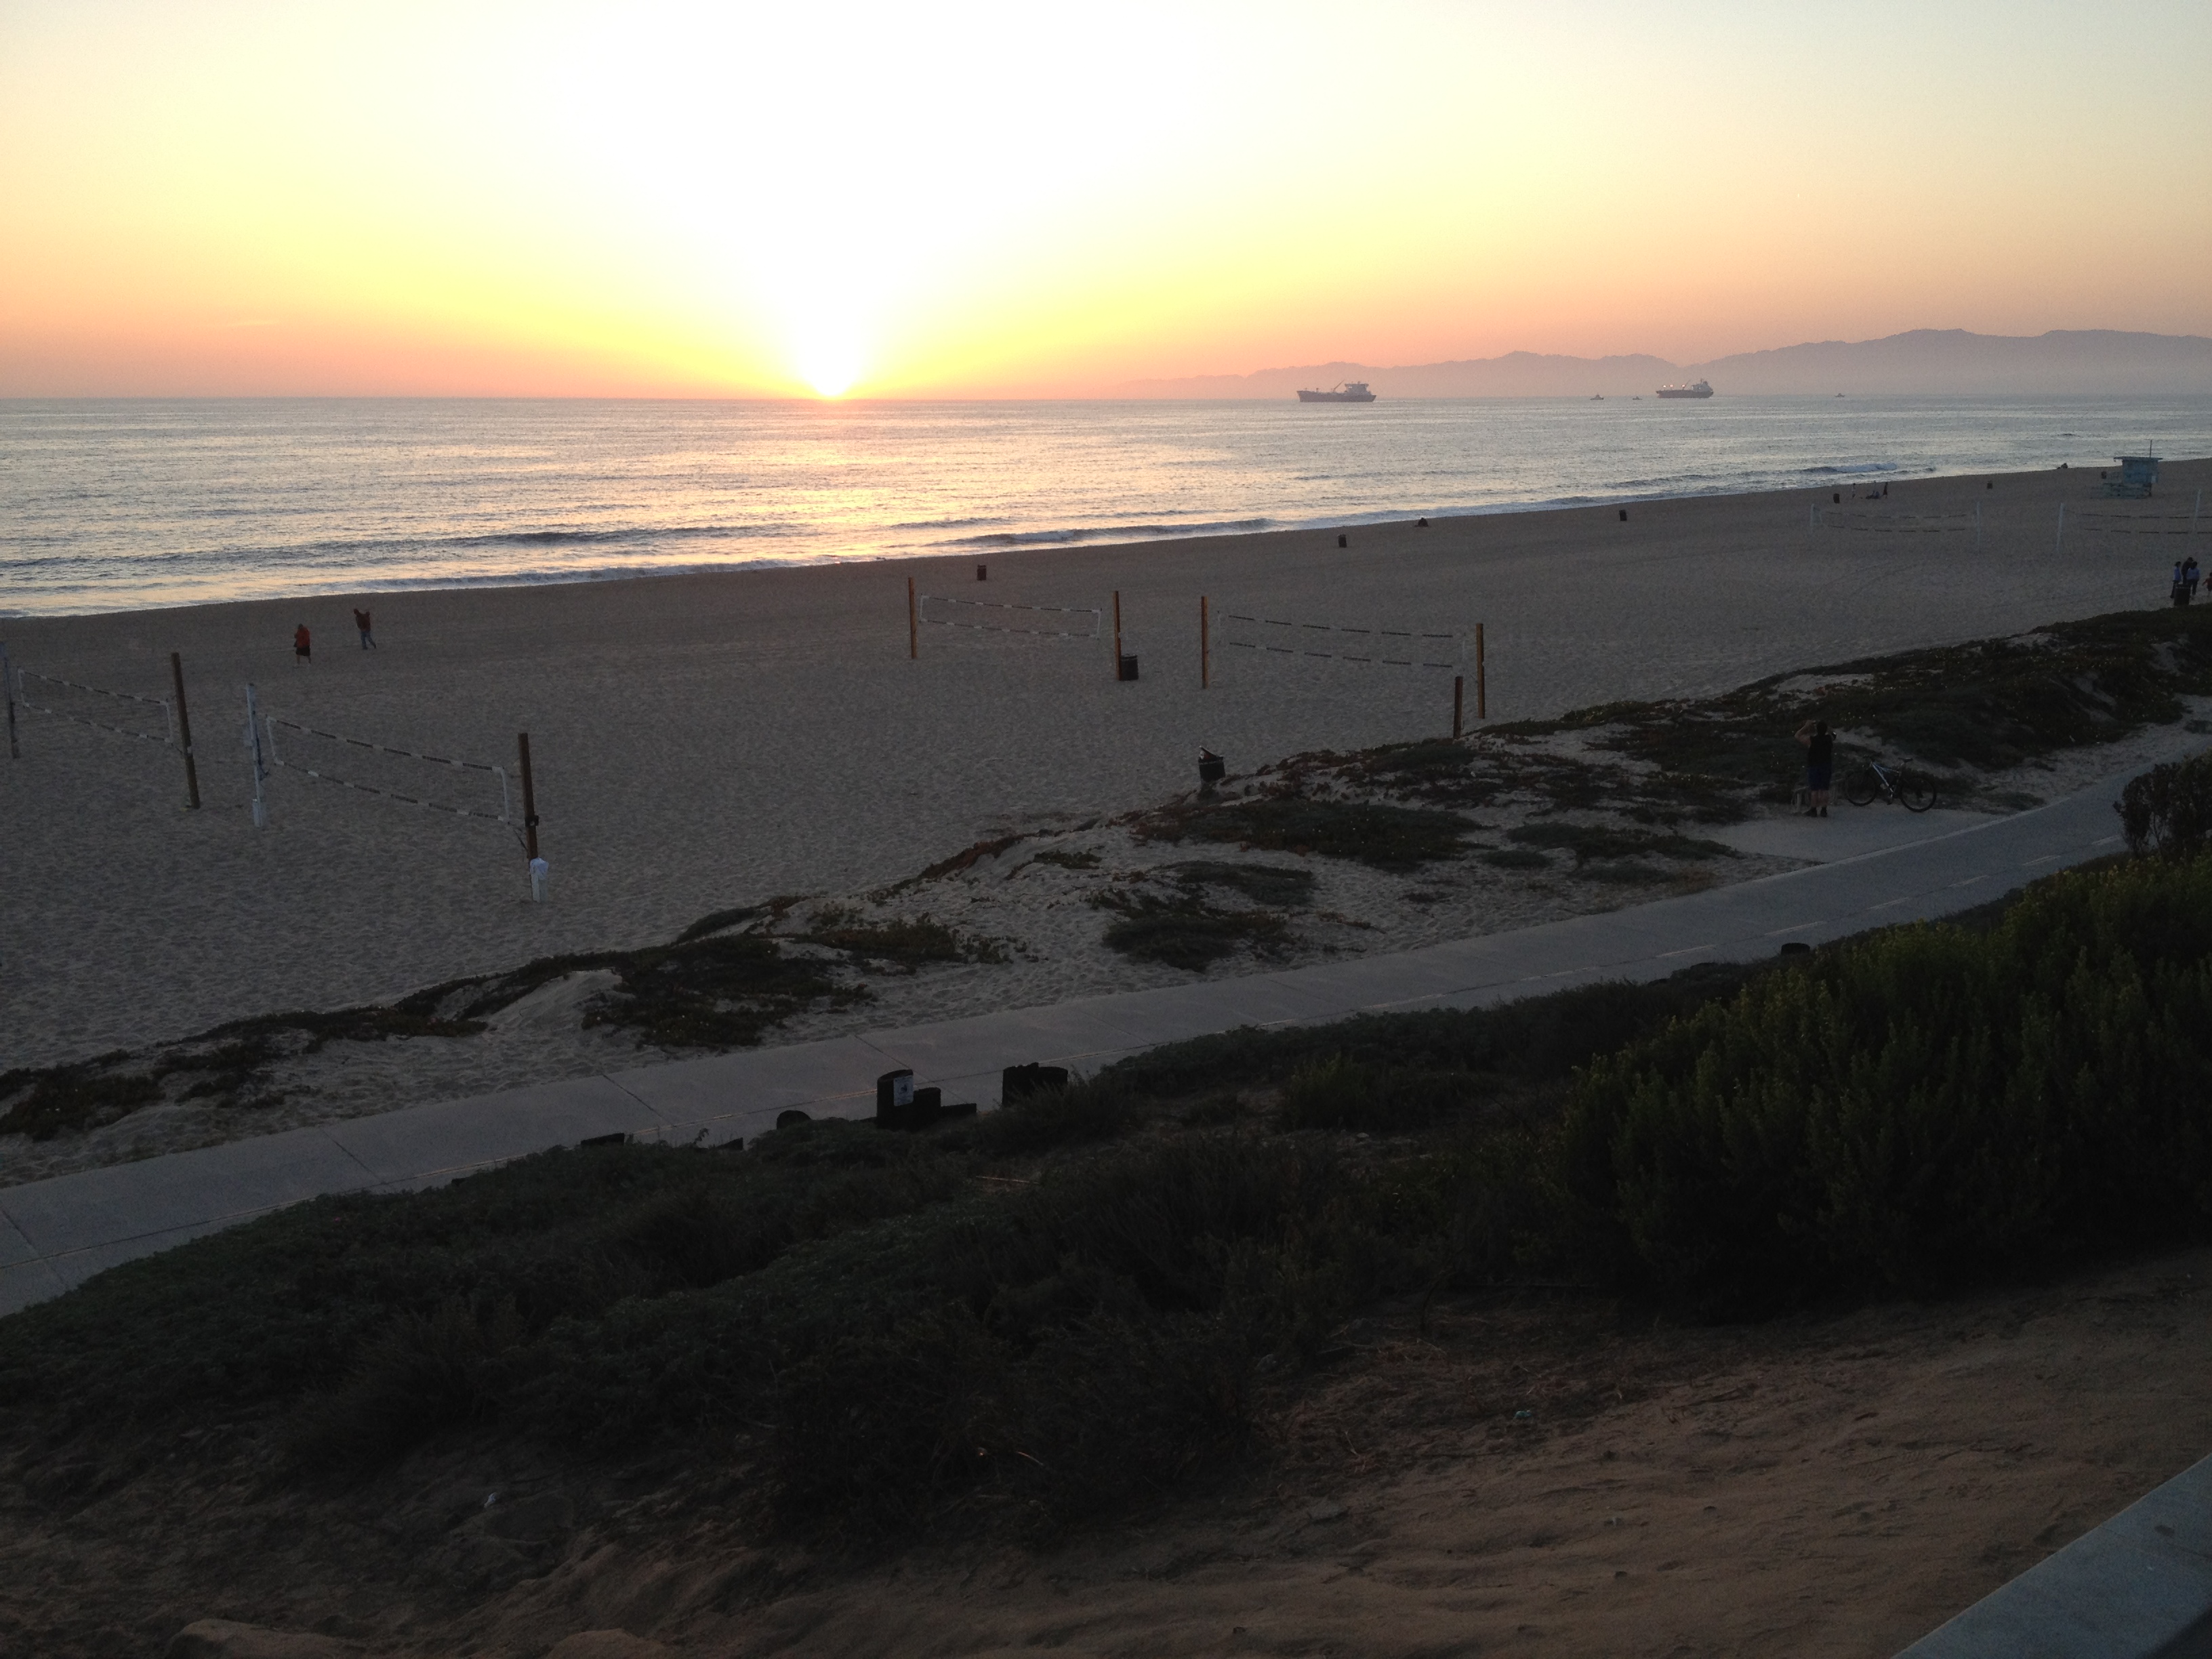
{"x":709,"y":741}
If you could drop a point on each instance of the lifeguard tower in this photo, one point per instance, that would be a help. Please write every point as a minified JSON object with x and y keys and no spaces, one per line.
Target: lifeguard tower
{"x":2138,"y":474}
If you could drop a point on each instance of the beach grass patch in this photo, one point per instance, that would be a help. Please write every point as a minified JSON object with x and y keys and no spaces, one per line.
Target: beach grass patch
{"x":1397,"y":839}
{"x":907,"y":942}
{"x":1263,"y":883}
{"x":1184,"y":930}
{"x":1515,"y":858}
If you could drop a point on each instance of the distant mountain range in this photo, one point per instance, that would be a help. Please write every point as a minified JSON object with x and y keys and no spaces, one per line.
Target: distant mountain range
{"x":1939,"y":360}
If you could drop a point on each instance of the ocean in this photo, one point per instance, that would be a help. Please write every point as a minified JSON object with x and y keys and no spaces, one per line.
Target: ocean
{"x":110,"y":506}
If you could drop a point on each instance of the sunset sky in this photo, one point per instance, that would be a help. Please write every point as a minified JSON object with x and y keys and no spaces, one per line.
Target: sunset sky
{"x":209,"y":198}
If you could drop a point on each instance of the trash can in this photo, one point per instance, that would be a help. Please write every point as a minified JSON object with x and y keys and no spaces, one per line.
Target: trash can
{"x":1128,"y":667}
{"x":894,"y":1099}
{"x":1212,"y":769}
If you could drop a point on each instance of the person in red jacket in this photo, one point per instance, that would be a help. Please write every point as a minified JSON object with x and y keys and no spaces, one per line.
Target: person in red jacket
{"x":303,"y":646}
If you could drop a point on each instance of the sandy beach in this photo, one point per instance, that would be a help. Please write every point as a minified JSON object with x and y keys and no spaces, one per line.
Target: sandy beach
{"x":703,"y":741}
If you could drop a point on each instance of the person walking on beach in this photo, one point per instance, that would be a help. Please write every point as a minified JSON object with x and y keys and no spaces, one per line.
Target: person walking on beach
{"x":303,"y":645}
{"x":367,"y":639}
{"x":2180,"y":593}
{"x":2189,"y":576}
{"x":1820,"y":745}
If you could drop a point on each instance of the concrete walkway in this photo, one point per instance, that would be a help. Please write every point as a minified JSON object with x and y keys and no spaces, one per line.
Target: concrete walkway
{"x":57,"y":1233}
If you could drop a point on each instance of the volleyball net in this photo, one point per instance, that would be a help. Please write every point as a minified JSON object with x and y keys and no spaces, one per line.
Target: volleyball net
{"x":1377,"y":647}
{"x":307,"y":762}
{"x":2143,"y":524}
{"x":65,"y":700}
{"x":1899,"y":523}
{"x":1058,"y":622}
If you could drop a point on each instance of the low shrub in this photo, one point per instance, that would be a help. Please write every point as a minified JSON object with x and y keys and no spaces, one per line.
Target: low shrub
{"x":2168,"y":809}
{"x":1920,"y":1107}
{"x":1186,"y":931}
{"x":1393,"y":838}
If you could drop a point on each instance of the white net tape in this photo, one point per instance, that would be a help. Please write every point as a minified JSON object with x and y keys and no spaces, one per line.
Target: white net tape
{"x":167,"y":738}
{"x":983,"y":625}
{"x":2146,"y":524}
{"x":1381,"y":647}
{"x":276,"y":758}
{"x":1899,"y":524}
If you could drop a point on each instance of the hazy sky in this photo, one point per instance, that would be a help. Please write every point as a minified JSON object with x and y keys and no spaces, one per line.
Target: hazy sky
{"x":200,"y":197}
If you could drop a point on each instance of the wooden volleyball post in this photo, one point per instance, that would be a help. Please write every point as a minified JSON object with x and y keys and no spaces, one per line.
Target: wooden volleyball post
{"x":8,"y":694}
{"x":1459,"y":701}
{"x":529,"y":797}
{"x":1481,"y":680}
{"x":913,"y":625}
{"x":1117,"y":633}
{"x":1205,"y":646}
{"x":185,"y":733}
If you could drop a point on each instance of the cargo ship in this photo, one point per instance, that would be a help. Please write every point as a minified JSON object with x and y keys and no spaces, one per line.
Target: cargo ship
{"x":1700,"y":389}
{"x":1348,"y":391}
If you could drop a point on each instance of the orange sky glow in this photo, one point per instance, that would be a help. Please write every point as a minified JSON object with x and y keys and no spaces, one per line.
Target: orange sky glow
{"x":974,"y":200}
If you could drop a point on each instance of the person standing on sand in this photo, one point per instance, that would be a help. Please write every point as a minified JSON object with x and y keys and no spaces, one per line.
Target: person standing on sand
{"x":367,"y":639}
{"x":303,"y":645}
{"x":1819,"y":765}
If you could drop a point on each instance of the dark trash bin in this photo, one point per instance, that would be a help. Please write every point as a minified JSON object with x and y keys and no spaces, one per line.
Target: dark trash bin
{"x":1129,"y":666}
{"x":1212,"y":769}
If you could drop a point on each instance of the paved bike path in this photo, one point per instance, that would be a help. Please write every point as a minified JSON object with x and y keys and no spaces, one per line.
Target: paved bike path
{"x":56,"y":1233}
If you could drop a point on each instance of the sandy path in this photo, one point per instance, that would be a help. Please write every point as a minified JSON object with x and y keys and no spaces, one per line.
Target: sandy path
{"x":709,"y":741}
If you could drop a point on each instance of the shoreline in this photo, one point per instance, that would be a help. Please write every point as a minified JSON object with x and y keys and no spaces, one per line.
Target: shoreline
{"x":659,"y":551}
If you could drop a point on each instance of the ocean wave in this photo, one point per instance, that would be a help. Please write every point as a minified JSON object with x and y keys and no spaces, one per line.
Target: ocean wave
{"x":1106,"y":532}
{"x":943,"y":524}
{"x":1852,"y":467}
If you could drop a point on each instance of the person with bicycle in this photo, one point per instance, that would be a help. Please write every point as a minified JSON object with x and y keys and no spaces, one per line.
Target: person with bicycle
{"x":1819,"y":745}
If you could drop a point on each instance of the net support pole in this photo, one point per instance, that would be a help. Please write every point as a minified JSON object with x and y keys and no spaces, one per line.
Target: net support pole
{"x":1482,"y":678}
{"x":529,"y":797}
{"x":185,"y":733}
{"x":1459,"y":704}
{"x":913,"y":625}
{"x":1205,"y":648}
{"x":1117,"y":633}
{"x":253,"y":756}
{"x":7,"y":692}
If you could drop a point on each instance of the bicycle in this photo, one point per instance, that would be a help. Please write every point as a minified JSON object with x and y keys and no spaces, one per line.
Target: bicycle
{"x":1913,"y":793}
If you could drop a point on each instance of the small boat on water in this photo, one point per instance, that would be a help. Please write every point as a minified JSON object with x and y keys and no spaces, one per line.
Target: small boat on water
{"x":1700,"y":389}
{"x":1345,"y":391}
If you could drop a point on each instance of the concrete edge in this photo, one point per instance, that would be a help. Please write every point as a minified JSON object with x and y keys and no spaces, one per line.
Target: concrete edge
{"x":2139,"y":1586}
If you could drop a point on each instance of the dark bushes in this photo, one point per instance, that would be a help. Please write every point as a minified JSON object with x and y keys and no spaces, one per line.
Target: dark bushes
{"x":1918,"y":1109}
{"x":2168,"y":809}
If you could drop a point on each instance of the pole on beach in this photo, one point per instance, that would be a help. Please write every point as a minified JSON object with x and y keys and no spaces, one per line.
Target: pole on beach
{"x":1117,"y":633}
{"x":1978,"y":527}
{"x":1459,"y":702}
{"x":529,"y":797}
{"x":185,"y":733}
{"x":2058,"y":545}
{"x":1205,"y":647}
{"x":254,"y":754}
{"x":913,"y":625}
{"x":8,"y":691}
{"x":1481,"y":679}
